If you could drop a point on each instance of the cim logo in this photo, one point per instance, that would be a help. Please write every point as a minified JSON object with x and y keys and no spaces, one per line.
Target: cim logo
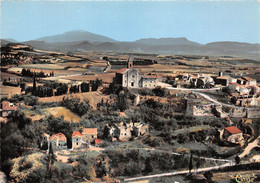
{"x":245,"y":178}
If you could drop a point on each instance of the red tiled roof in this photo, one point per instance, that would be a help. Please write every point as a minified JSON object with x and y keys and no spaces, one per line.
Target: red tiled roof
{"x":98,"y":141}
{"x":58,"y":136}
{"x":233,"y":130}
{"x":121,"y":71}
{"x":247,"y":78}
{"x":6,"y":106}
{"x":91,"y":131}
{"x":76,"y":133}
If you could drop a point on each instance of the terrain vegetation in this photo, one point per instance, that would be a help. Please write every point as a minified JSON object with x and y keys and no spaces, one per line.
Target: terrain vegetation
{"x":71,"y":89}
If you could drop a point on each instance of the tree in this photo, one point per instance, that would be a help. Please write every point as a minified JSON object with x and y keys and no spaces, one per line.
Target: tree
{"x":208,"y":175}
{"x":51,"y":157}
{"x":190,"y":163}
{"x":237,"y":159}
{"x":122,"y":102}
{"x":148,"y":166}
{"x":34,"y":85}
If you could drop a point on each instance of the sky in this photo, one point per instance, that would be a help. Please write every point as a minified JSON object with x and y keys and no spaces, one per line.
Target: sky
{"x":200,"y":21}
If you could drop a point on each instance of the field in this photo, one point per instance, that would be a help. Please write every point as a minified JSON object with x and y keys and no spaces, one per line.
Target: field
{"x":43,"y":66}
{"x":7,"y":91}
{"x":5,"y":75}
{"x":62,"y":111}
{"x":106,"y":77}
{"x":93,"y":97}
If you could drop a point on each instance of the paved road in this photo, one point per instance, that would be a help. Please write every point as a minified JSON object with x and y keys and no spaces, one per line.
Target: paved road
{"x":179,"y":172}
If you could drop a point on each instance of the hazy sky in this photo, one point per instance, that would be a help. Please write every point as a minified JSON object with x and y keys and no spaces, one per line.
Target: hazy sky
{"x":200,"y":21}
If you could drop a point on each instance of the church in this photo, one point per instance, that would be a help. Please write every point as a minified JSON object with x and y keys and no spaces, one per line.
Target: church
{"x":131,"y":78}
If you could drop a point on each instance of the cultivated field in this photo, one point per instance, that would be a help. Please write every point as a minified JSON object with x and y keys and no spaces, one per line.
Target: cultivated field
{"x":5,"y":75}
{"x":106,"y":77}
{"x":7,"y":91}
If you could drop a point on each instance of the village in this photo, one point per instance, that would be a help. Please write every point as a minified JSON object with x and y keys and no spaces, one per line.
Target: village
{"x":107,"y":106}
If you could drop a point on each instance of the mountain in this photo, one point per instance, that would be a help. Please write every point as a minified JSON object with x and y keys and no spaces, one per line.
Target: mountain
{"x":74,"y":36}
{"x":167,"y":41}
{"x":86,"y":41}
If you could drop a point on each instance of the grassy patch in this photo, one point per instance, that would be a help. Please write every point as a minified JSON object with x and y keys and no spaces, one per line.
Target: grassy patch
{"x":62,"y":111}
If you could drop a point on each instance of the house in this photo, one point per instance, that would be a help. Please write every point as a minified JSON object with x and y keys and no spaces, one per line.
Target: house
{"x":58,"y":141}
{"x":205,"y":82}
{"x":247,"y":81}
{"x":140,"y":129}
{"x":7,"y":107}
{"x":76,"y":140}
{"x":149,"y":81}
{"x":97,"y":142}
{"x":124,"y":131}
{"x":233,"y":135}
{"x":89,"y":134}
{"x":222,"y":80}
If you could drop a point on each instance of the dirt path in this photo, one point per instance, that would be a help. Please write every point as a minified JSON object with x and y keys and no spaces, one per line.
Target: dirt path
{"x":250,"y":147}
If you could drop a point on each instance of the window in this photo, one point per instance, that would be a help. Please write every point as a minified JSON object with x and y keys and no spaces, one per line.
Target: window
{"x":92,"y":136}
{"x":77,"y":143}
{"x":132,"y":84}
{"x":125,"y":133}
{"x":133,"y":76}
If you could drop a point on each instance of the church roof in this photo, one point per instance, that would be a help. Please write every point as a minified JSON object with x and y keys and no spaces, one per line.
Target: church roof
{"x":122,"y":71}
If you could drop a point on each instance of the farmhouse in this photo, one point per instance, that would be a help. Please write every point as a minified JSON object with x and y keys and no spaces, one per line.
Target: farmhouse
{"x":246,"y":81}
{"x":149,"y":81}
{"x":222,"y":80}
{"x":140,"y":129}
{"x":233,"y":135}
{"x":7,"y":108}
{"x":89,"y":134}
{"x":58,"y":141}
{"x":124,"y":131}
{"x":76,"y":140}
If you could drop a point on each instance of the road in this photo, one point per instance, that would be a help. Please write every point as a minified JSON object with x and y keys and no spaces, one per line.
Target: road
{"x":250,"y":147}
{"x":198,"y":92}
{"x":179,"y":172}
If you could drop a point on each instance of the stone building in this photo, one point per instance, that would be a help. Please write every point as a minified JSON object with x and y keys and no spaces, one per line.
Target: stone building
{"x":89,"y":134}
{"x":58,"y":141}
{"x":140,"y":129}
{"x":149,"y":81}
{"x":233,"y":135}
{"x":76,"y":140}
{"x":7,"y":108}
{"x":124,"y":131}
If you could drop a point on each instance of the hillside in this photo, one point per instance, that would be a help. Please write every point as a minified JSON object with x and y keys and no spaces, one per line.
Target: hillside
{"x":166,"y":41}
{"x":73,"y":36}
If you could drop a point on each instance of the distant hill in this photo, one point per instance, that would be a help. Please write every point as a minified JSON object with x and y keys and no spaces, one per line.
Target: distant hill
{"x":73,"y":36}
{"x":167,"y":41}
{"x":86,"y":41}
